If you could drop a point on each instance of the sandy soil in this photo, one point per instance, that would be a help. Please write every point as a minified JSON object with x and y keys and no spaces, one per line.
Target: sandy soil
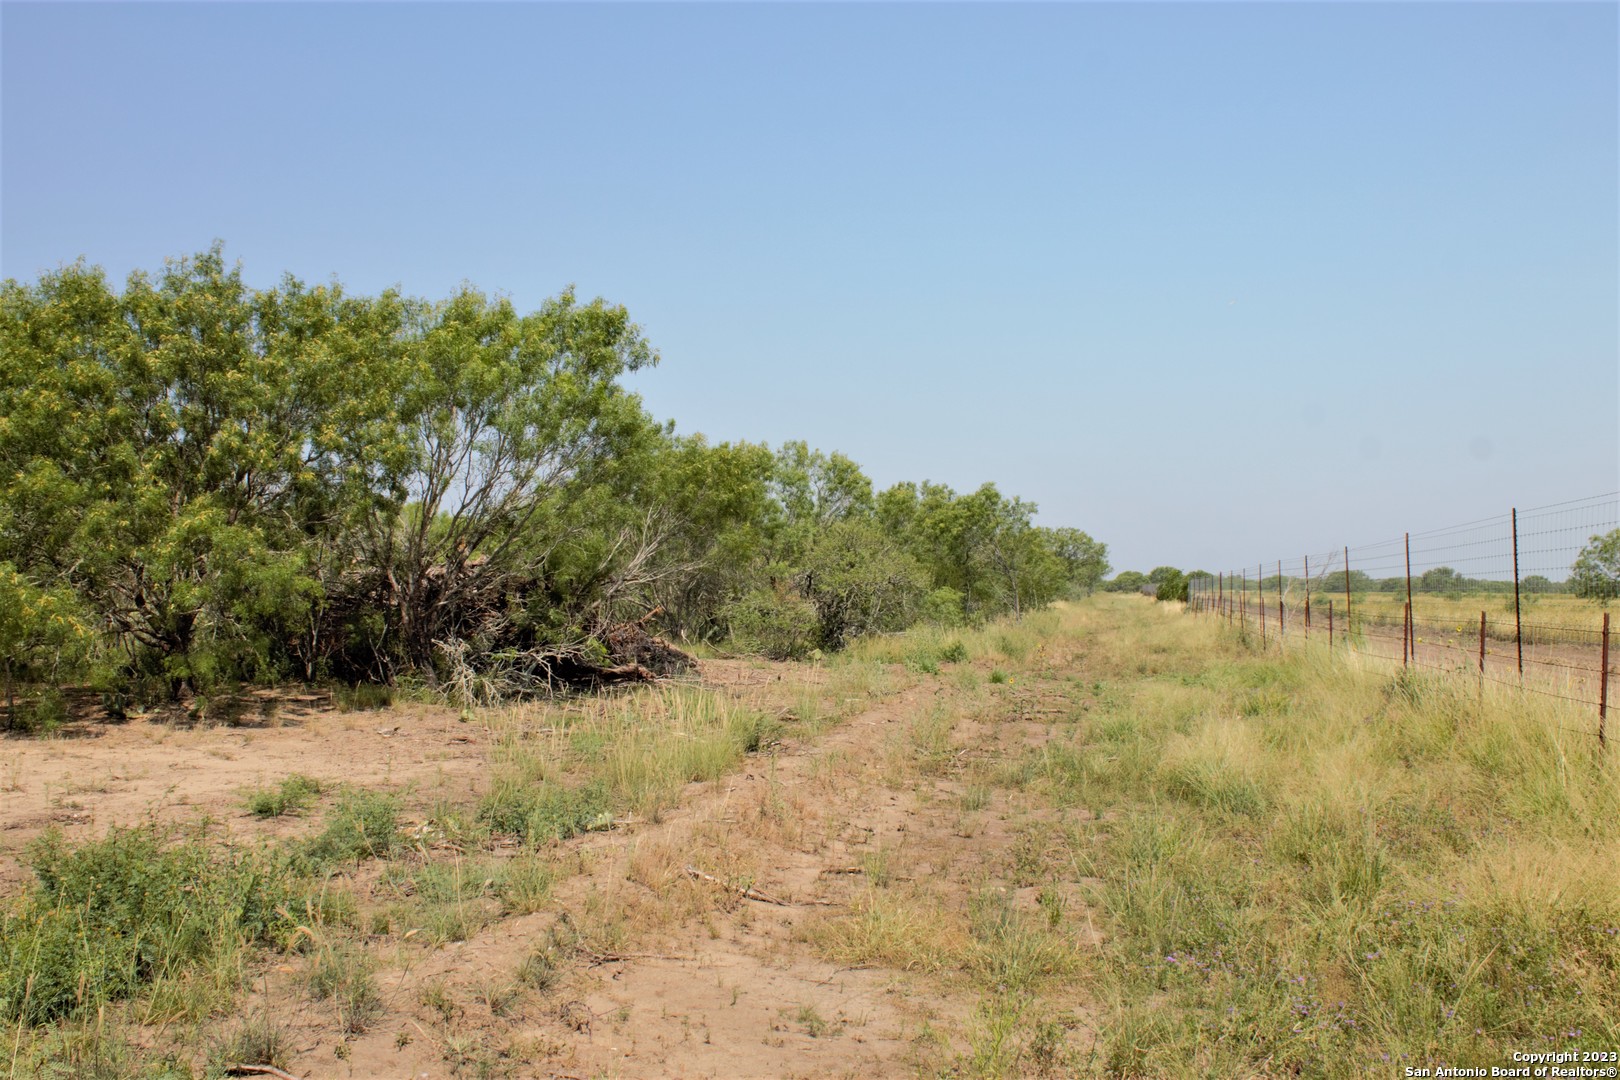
{"x":98,"y":775}
{"x":700,"y":980}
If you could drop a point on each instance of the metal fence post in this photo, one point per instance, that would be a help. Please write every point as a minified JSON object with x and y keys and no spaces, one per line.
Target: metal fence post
{"x":1406,"y":627}
{"x":1518,"y":623}
{"x":1330,"y":626}
{"x":1482,"y":644}
{"x":1307,"y":596}
{"x":1603,"y":687}
{"x":1410,"y":645}
{"x":1347,"y":609}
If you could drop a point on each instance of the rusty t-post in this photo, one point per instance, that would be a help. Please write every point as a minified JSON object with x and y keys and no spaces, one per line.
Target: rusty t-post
{"x":1347,"y":609}
{"x":1411,"y":632}
{"x":1330,"y":626}
{"x":1406,"y":628}
{"x":1603,"y":687}
{"x":1518,"y":623}
{"x":1280,"y":594}
{"x":1482,"y":643}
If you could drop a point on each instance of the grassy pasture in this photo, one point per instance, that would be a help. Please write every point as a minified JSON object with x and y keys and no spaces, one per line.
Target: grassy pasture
{"x":1134,"y":845}
{"x":1553,"y":614}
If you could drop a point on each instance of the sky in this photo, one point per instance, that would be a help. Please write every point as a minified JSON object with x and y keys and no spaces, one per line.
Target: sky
{"x":1216,"y":282}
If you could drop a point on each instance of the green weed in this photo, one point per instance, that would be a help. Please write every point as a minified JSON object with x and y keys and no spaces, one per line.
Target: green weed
{"x":364,"y":824}
{"x":114,"y":916}
{"x":294,"y":794}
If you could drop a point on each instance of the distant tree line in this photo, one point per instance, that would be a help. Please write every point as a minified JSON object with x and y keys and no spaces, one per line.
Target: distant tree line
{"x":1595,"y":575}
{"x":203,"y":482}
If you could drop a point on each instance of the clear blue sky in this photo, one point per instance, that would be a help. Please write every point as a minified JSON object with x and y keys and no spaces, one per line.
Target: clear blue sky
{"x":1215,"y":282}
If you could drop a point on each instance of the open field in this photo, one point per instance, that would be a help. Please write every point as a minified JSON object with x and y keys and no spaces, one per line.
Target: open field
{"x":1554,"y":648}
{"x":1111,"y":839}
{"x":1549,"y":617}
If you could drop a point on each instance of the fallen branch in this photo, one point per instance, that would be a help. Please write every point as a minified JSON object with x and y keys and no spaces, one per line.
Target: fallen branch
{"x":747,"y":892}
{"x":597,"y":959}
{"x":259,"y":1070}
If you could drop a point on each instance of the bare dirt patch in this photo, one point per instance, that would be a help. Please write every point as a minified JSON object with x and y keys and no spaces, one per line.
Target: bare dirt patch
{"x":142,"y":771}
{"x":693,"y":944}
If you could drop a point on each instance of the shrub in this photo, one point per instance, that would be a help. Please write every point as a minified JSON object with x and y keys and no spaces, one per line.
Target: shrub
{"x":860,"y":583}
{"x":775,"y":625}
{"x":40,"y":716}
{"x":1171,"y":583}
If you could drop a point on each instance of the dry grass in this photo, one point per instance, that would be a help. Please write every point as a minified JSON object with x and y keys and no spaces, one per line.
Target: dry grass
{"x":1109,"y":840}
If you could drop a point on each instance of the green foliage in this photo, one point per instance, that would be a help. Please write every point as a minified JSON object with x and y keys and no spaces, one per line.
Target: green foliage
{"x":341,"y":973}
{"x":1085,"y":561}
{"x":543,"y":812}
{"x":859,"y":582}
{"x":41,"y":632}
{"x":717,"y":519}
{"x":364,"y":824}
{"x":41,"y":714}
{"x":1596,"y":573}
{"x":778,"y":625}
{"x":813,"y":492}
{"x":1537,"y":584}
{"x":986,"y":548}
{"x":113,"y":916}
{"x":1440,"y":579}
{"x":1127,"y":581}
{"x":92,"y":1050}
{"x":1170,"y":583}
{"x":942,"y":607}
{"x":202,"y":483}
{"x":295,"y":793}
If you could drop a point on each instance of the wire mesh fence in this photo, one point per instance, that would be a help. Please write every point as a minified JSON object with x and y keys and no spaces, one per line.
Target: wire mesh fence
{"x":1521,"y":599}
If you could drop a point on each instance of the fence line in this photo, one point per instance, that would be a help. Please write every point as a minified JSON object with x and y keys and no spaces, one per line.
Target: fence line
{"x":1491,"y":598}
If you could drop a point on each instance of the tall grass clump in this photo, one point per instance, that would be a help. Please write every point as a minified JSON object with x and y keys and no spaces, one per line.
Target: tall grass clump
{"x":111,"y":918}
{"x":632,"y":753}
{"x":291,"y":796}
{"x":659,"y":742}
{"x":1317,"y":860}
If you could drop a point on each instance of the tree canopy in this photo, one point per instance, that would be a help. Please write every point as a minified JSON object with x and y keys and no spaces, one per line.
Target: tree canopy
{"x":1596,"y":573}
{"x":204,"y":481}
